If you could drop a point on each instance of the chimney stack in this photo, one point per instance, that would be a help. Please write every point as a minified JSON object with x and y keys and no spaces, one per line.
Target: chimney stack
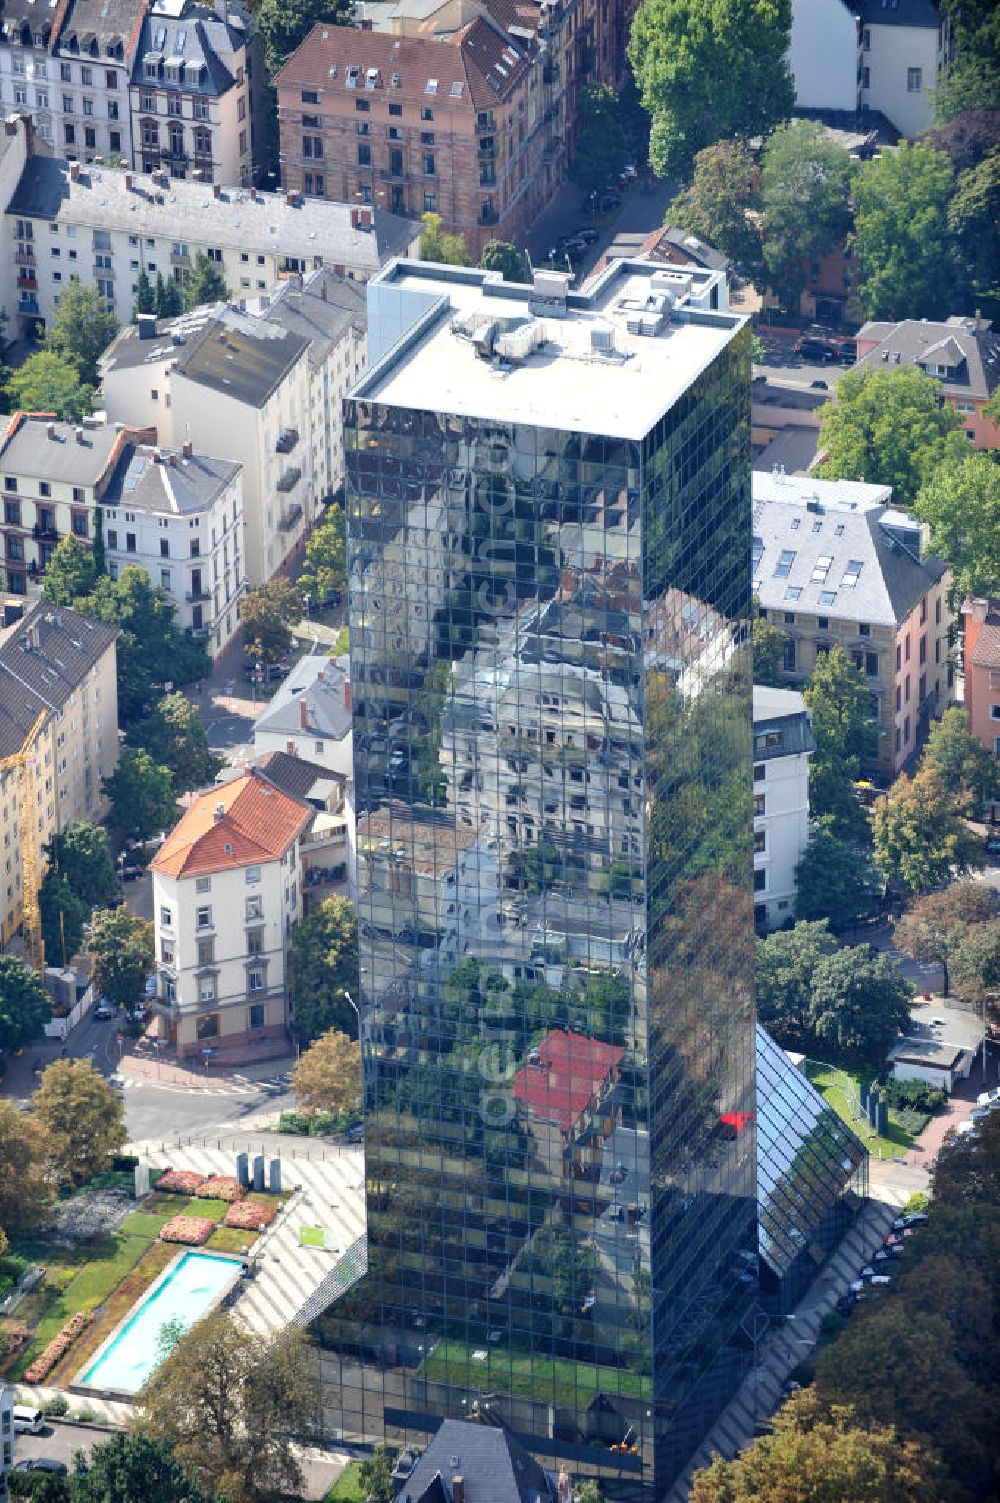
{"x":980,"y":609}
{"x":146,"y":323}
{"x":79,"y":435}
{"x":347,"y":694}
{"x":74,"y":172}
{"x":303,"y":714}
{"x":128,"y":182}
{"x":458,"y":1490}
{"x":50,"y":429}
{"x":216,"y":190}
{"x":253,"y":193}
{"x":220,"y":811}
{"x":187,"y":448}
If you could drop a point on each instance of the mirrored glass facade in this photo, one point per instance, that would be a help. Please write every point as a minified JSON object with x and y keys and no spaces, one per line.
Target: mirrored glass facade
{"x":551,"y":686}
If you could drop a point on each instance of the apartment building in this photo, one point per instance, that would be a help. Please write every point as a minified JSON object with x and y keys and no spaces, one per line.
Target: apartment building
{"x":467,"y":108}
{"x":191,"y":92}
{"x":179,"y":516}
{"x":783,"y":742}
{"x":835,"y":562}
{"x":52,"y":474}
{"x":869,"y":56}
{"x":64,"y":219}
{"x":982,"y":671}
{"x":224,"y":380}
{"x":62,"y":666}
{"x":962,"y":354}
{"x":330,"y":312}
{"x":310,"y":716}
{"x":227,"y":893}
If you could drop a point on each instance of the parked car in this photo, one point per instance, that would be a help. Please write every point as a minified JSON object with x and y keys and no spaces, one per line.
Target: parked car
{"x":104,"y":1011}
{"x":911,"y":1219}
{"x":815,"y":349}
{"x":355,"y":1133}
{"x":43,"y":1464}
{"x":989,"y":1098}
{"x":818,"y":386}
{"x":28,"y":1420}
{"x":991,"y":845}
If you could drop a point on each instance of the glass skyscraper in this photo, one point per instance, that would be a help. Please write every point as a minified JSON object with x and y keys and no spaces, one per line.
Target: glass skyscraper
{"x":549,"y":540}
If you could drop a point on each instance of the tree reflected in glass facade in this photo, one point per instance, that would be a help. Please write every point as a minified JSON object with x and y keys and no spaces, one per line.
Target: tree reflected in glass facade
{"x":553,"y":778}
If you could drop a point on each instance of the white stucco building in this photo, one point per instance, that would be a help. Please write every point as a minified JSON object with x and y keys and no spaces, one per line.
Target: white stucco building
{"x":179,"y":516}
{"x":227,"y":893}
{"x":782,"y":744}
{"x":824,"y":54}
{"x":310,"y":716}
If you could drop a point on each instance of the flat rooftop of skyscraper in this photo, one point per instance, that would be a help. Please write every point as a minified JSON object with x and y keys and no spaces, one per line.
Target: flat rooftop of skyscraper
{"x":610,"y":360}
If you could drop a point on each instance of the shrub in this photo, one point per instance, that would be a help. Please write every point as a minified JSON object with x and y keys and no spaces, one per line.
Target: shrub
{"x":918,"y":1201}
{"x":56,"y":1406}
{"x":913,"y":1095}
{"x":180,"y":1181}
{"x":192,"y":1231}
{"x":57,"y":1348}
{"x":222,"y":1187}
{"x":250,"y":1215}
{"x":124,"y":1163}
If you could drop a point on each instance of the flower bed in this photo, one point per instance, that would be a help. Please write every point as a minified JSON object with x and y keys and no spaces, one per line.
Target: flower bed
{"x":191,"y":1230}
{"x":222,"y":1187}
{"x":250,"y":1215}
{"x":180,"y":1181}
{"x":57,"y":1347}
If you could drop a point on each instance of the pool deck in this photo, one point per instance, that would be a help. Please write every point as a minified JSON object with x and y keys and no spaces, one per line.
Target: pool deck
{"x":81,"y":1385}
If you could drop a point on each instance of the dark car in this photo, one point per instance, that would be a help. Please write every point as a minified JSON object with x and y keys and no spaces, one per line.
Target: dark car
{"x":912,"y":1219}
{"x":991,"y":845}
{"x":818,"y":386}
{"x":816,"y":349}
{"x":355,"y":1133}
{"x":43,"y":1464}
{"x":103,"y":1012}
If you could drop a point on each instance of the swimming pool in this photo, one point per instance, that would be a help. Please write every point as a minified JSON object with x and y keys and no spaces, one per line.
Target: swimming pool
{"x":183,"y":1293}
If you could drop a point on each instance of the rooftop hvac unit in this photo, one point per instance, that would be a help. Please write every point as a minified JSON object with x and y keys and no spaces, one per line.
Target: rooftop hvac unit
{"x":602,"y":338}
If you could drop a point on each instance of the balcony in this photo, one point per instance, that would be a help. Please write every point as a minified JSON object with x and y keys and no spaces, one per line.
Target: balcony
{"x":175,"y":153}
{"x":199,"y":594}
{"x":390,"y":175}
{"x":24,"y":257}
{"x":105,"y":273}
{"x":28,"y":304}
{"x":489,"y":216}
{"x":289,"y":518}
{"x":28,"y":280}
{"x":45,"y":533}
{"x":487,"y":150}
{"x":289,"y":437}
{"x":180,"y":258}
{"x":289,"y":480}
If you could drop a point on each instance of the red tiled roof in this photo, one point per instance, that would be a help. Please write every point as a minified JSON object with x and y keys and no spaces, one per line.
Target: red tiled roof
{"x":570,"y":1072}
{"x":986,"y":652}
{"x":243,"y":823}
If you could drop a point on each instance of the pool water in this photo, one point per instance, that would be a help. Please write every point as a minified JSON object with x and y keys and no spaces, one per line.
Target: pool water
{"x":189,"y":1290}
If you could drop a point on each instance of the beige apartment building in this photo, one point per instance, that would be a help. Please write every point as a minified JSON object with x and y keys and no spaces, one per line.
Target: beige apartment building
{"x":60,"y":666}
{"x":835,"y":562}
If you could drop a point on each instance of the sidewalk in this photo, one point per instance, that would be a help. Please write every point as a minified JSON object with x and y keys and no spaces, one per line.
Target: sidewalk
{"x":264,"y":1060}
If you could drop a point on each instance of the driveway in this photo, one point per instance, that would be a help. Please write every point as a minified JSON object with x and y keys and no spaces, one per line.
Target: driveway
{"x":642,"y":210}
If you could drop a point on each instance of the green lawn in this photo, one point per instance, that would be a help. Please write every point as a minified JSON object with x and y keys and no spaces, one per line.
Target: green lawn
{"x":343,"y":643}
{"x":214,"y":1210}
{"x":839,"y":1088}
{"x":91,"y":1286}
{"x":230,"y":1239}
{"x":518,"y":1373}
{"x":144,"y":1224}
{"x":347,"y":1488}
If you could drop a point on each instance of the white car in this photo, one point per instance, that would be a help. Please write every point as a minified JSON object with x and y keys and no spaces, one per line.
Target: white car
{"x":989,"y":1099}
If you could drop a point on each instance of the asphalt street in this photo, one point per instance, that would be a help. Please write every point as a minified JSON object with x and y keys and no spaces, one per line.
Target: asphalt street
{"x":780,"y":363}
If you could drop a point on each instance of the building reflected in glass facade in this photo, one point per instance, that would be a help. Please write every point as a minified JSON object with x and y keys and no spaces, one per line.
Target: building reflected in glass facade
{"x":549,"y":535}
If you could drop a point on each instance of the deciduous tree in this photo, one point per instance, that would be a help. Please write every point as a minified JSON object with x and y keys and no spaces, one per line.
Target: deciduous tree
{"x":375,"y":1475}
{"x":81,"y":1117}
{"x":205,"y":283}
{"x":845,"y":733}
{"x":175,"y":738}
{"x":714,"y":205}
{"x":327,"y":1076}
{"x":602,"y":149}
{"x":918,"y":836}
{"x":501,"y":256}
{"x":63,"y":916}
{"x":768,"y":644}
{"x":142,"y":794}
{"x":935,"y":926}
{"x":859,"y":1003}
{"x":26,"y":1192}
{"x":152,"y":650}
{"x":230,"y":1404}
{"x":284,"y":24}
{"x":701,"y":81}
{"x":786,"y":964}
{"x":906,"y":265}
{"x":961,"y":760}
{"x":325,"y":565}
{"x":834,"y":881}
{"x":323,"y":968}
{"x":70,"y":572}
{"x":976,"y":964}
{"x":268,"y":615}
{"x":961,"y":503}
{"x":973,"y":215}
{"x":971,"y":79}
{"x":437,"y":245}
{"x":805,"y":191}
{"x":888,"y":427}
{"x":82,"y":855}
{"x":129,"y":1468}
{"x":822,"y":1453}
{"x":24,"y":1007}
{"x":47,"y":382}
{"x":82,"y":329}
{"x":122,"y":946}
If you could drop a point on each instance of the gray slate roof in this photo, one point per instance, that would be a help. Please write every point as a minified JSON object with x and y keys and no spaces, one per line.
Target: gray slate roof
{"x":899,"y":13}
{"x":109,"y":23}
{"x":495,"y":1468}
{"x":916,"y":341}
{"x":199,"y":36}
{"x":782,"y":710}
{"x":33,"y":679}
{"x":242,"y":357}
{"x":77,"y":455}
{"x":846,"y":522}
{"x":99,"y":199}
{"x":300,"y":777}
{"x":175,"y":483}
{"x":320,"y":681}
{"x":320,"y":310}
